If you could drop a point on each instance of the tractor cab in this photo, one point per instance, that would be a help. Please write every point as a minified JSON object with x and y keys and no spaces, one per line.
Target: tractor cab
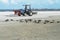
{"x":28,"y":10}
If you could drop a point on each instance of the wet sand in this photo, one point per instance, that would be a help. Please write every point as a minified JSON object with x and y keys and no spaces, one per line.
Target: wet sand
{"x":29,"y":31}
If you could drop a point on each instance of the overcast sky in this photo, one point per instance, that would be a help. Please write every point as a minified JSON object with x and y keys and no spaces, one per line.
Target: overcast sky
{"x":17,"y":4}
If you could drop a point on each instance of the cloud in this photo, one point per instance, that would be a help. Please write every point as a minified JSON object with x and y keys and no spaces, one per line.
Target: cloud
{"x":32,"y":2}
{"x":14,"y":1}
{"x":5,"y":1}
{"x":51,"y":1}
{"x":22,"y":1}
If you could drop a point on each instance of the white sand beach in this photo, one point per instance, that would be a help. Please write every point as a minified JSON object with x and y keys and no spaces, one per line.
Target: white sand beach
{"x":29,"y":31}
{"x":16,"y":30}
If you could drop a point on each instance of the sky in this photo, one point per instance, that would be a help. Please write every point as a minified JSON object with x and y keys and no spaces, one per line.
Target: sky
{"x":36,"y":4}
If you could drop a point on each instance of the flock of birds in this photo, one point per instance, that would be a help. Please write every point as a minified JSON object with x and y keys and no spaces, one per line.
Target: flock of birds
{"x":34,"y":21}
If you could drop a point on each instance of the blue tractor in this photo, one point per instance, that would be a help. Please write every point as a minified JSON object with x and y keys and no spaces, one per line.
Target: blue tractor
{"x":27,"y":10}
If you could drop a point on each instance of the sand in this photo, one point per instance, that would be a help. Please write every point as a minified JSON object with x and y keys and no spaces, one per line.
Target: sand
{"x":16,"y":30}
{"x":29,"y":31}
